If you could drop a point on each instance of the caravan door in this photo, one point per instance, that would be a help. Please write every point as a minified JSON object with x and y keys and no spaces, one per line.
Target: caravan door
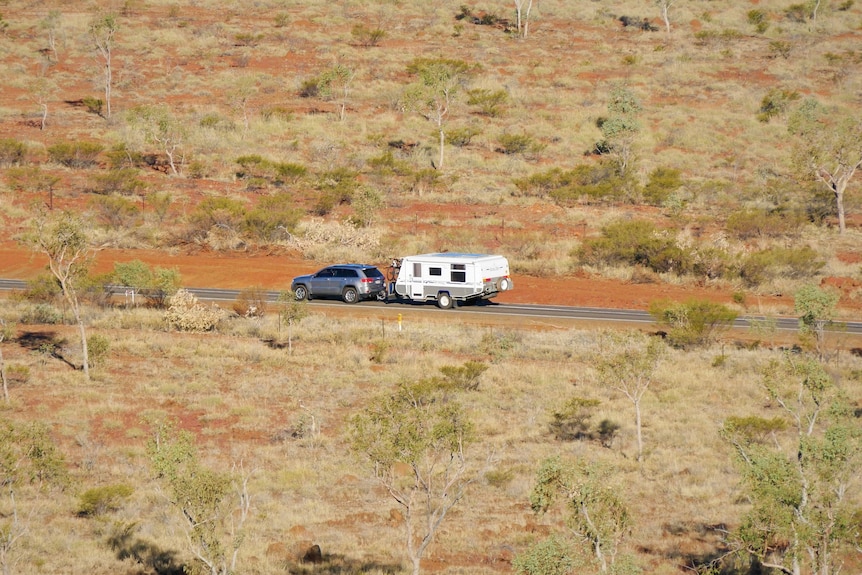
{"x":414,"y":280}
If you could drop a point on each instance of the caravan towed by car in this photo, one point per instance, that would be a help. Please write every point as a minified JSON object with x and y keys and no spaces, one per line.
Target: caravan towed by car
{"x":449,"y":277}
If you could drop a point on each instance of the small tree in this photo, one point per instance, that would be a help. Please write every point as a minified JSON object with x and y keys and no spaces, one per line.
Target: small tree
{"x":51,"y":24}
{"x":6,"y":332}
{"x":816,"y":309}
{"x":432,"y":95}
{"x":522,"y":12}
{"x":664,"y":7}
{"x":156,"y":284}
{"x":415,"y":440}
{"x":102,"y":31}
{"x":161,"y":129}
{"x":692,"y":323}
{"x":213,"y":505}
{"x":620,"y":127}
{"x":596,"y":515}
{"x":829,"y":148}
{"x":29,"y":462}
{"x":334,"y":84}
{"x":65,"y":241}
{"x":41,"y":91}
{"x":630,"y":371}
{"x":799,"y":481}
{"x":291,"y":311}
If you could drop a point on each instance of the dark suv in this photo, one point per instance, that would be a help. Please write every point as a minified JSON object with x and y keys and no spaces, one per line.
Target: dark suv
{"x":350,"y":282}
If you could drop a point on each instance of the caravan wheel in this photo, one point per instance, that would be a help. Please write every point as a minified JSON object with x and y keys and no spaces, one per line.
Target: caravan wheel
{"x":444,"y":300}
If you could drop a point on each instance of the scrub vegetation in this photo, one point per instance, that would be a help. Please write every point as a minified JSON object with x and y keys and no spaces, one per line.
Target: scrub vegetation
{"x":690,"y":146}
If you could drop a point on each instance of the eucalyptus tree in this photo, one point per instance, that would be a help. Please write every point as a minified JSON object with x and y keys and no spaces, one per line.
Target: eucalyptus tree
{"x":63,"y":238}
{"x":596,"y":514}
{"x":800,"y":470}
{"x":630,"y":369}
{"x":102,"y":30}
{"x":438,"y":83}
{"x":416,"y":441}
{"x":829,"y":147}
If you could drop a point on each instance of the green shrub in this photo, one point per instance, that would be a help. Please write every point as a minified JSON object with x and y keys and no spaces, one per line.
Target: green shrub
{"x":499,"y":478}
{"x":524,"y":144}
{"x":100,"y":500}
{"x":115,"y":212}
{"x":44,"y":288}
{"x":465,"y":377}
{"x":289,"y":173}
{"x":12,"y":152}
{"x":42,"y":313}
{"x":661,"y":184}
{"x":759,"y":223}
{"x":780,"y":48}
{"x":764,"y":265}
{"x":75,"y":154}
{"x":489,"y":102}
{"x":94,"y":105}
{"x":379,"y":351}
{"x":571,"y":421}
{"x":799,"y":13}
{"x":248,"y":39}
{"x":123,"y":181}
{"x":775,"y":103}
{"x":310,"y":88}
{"x":461,"y":137}
{"x":222,"y":212}
{"x":759,"y":19}
{"x":550,"y":556}
{"x":30,"y":179}
{"x":155,"y":284}
{"x":752,"y":428}
{"x":692,"y":323}
{"x":592,"y":182}
{"x":636,"y":243}
{"x":275,"y":217}
{"x":98,"y":347}
{"x":367,"y":37}
{"x":120,"y":156}
{"x":282,"y":19}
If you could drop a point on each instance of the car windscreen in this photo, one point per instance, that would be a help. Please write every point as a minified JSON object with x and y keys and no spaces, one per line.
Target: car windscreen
{"x":373,"y":273}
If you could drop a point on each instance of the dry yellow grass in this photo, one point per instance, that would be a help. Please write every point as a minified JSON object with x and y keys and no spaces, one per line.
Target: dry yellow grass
{"x":240,"y":396}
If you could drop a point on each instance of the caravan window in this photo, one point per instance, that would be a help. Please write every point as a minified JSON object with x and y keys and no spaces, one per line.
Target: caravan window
{"x":417,"y":270}
{"x":435,"y":271}
{"x":459,"y":273}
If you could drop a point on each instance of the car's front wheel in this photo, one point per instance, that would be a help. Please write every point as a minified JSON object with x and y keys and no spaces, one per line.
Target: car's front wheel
{"x":350,"y":295}
{"x":300,"y":293}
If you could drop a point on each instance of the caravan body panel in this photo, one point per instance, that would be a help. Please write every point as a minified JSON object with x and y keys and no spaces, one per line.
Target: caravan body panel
{"x":462,"y":276}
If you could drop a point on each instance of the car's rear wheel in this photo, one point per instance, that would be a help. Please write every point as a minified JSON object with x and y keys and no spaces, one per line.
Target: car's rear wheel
{"x":350,"y":295}
{"x":444,"y":300}
{"x":300,"y":293}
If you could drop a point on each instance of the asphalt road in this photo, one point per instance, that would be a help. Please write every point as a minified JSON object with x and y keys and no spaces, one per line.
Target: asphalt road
{"x":541,"y":313}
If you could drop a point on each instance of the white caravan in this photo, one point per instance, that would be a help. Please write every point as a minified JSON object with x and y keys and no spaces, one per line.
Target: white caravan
{"x":449,"y":277}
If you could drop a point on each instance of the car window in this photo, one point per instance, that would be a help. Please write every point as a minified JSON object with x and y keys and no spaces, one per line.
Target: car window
{"x":325,"y":273}
{"x":345,"y":273}
{"x":373,"y":273}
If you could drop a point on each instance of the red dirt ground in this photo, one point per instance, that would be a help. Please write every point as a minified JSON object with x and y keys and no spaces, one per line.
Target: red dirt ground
{"x":242,"y":270}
